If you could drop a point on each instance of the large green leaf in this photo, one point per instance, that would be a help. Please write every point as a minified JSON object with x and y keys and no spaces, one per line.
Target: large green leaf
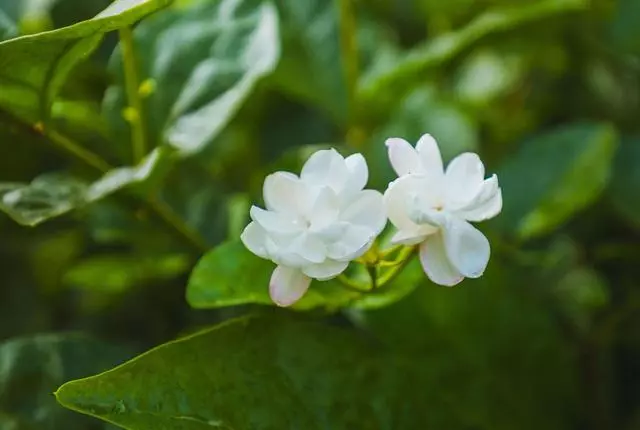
{"x":441,"y":49}
{"x":52,"y":195}
{"x":555,"y":175}
{"x":231,"y":275}
{"x":205,"y":60}
{"x":267,"y":372}
{"x":625,"y":183}
{"x":34,"y":67}
{"x":33,"y":367}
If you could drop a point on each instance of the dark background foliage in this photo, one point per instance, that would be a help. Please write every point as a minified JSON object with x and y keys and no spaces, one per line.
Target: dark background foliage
{"x":547,"y":91}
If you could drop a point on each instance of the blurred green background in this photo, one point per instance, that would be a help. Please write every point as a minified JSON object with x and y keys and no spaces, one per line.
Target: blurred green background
{"x":546,"y":91}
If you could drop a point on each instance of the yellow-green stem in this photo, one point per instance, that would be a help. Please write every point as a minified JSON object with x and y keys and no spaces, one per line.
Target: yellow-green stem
{"x":132,"y":83}
{"x":77,"y":151}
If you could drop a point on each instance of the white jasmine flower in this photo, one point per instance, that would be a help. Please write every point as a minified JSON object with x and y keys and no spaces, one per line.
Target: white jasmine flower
{"x":315,"y":224}
{"x":432,"y":207}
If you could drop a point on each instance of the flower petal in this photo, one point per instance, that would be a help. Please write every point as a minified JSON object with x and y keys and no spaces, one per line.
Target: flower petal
{"x":467,"y":248}
{"x":325,"y":167}
{"x":429,"y":154}
{"x":325,"y":208}
{"x":367,"y":210}
{"x":408,"y":237}
{"x":274,"y":221}
{"x":254,"y":238}
{"x":397,"y":198}
{"x":436,"y":264}
{"x":282,"y":192}
{"x":358,"y":172}
{"x":288,"y":285}
{"x":464,"y":178}
{"x":403,"y":156}
{"x":354,"y":242}
{"x":486,"y":205}
{"x":326,"y":270}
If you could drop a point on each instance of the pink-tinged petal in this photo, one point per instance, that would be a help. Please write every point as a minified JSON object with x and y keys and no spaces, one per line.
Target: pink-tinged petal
{"x":467,"y":248}
{"x":255,"y":239}
{"x":429,"y":154}
{"x":366,"y":210}
{"x":436,"y":264}
{"x":275,"y":221}
{"x":486,"y":205}
{"x":326,"y":168}
{"x":354,"y":242}
{"x":403,"y":157}
{"x":288,"y":285}
{"x":325,"y":271}
{"x":283,"y":192}
{"x":409,"y":237}
{"x":464,"y":178}
{"x":358,"y":172}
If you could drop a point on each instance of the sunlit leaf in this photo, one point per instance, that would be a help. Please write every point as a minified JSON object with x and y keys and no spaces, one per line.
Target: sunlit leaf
{"x":265,"y":372}
{"x":34,"y":67}
{"x":52,"y":195}
{"x":555,"y":175}
{"x":205,"y":60}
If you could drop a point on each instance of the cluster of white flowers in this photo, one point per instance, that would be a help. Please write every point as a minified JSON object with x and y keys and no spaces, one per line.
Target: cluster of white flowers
{"x":316,"y":223}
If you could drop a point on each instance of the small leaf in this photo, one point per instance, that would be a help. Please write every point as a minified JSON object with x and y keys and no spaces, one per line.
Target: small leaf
{"x":34,"y":67}
{"x":205,"y":60}
{"x":554,"y":176}
{"x":439,"y":50}
{"x":33,"y":367}
{"x":52,"y":195}
{"x":231,"y":275}
{"x":267,"y":372}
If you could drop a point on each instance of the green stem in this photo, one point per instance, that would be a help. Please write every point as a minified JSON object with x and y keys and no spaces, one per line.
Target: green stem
{"x":403,"y":260}
{"x":349,"y":54}
{"x":170,"y":218}
{"x":352,"y":285}
{"x":90,"y":158}
{"x":132,"y":84}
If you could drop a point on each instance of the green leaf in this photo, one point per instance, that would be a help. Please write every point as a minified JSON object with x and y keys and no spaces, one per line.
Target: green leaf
{"x":231,"y":275}
{"x":117,"y":273}
{"x":34,"y":67}
{"x":205,"y":60}
{"x":264,"y":372}
{"x":33,"y":367}
{"x":439,"y":50}
{"x":554,"y":176}
{"x":624,"y":33}
{"x":625,"y":181}
{"x":52,"y":195}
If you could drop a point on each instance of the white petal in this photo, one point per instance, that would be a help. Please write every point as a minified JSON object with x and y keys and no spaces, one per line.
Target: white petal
{"x":254,"y":238}
{"x":325,"y":208}
{"x":403,"y":156}
{"x":436,"y":264}
{"x":287,"y":285}
{"x":467,"y":248}
{"x":324,"y":271}
{"x":486,"y":205}
{"x":358,"y":172}
{"x":464,"y":178}
{"x":397,"y":198}
{"x":282,"y":192}
{"x":309,"y":247}
{"x":325,"y":167}
{"x":430,"y":157}
{"x":274,"y":221}
{"x":367,"y":210}
{"x":354,"y":242}
{"x":408,"y":237}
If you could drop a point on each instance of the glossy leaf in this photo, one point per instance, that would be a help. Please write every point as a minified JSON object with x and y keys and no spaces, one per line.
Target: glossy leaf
{"x":33,"y":367}
{"x":441,"y":49}
{"x":555,"y":175}
{"x":205,"y":60}
{"x":34,"y":67}
{"x":265,"y":372}
{"x":625,"y":183}
{"x":53,"y":195}
{"x":231,"y":275}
